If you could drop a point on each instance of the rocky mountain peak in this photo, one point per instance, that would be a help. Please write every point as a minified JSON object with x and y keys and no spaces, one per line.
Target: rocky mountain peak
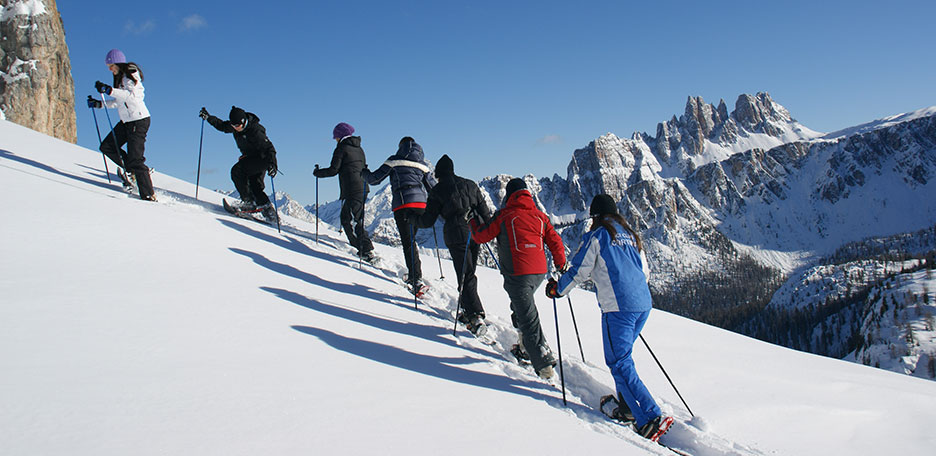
{"x":36,"y":87}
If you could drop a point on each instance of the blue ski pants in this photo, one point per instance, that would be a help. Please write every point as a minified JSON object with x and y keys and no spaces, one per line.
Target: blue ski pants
{"x":619,"y":332}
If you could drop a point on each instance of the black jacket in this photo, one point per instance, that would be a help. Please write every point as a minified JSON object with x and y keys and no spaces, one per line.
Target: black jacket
{"x":451,"y":199}
{"x":347,"y":162}
{"x":252,"y":140}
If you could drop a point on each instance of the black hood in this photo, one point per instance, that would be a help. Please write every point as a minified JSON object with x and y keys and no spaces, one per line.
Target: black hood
{"x":445,"y":167}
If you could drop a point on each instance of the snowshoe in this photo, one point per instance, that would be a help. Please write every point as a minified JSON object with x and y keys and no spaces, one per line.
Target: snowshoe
{"x":655,"y":429}
{"x":268,"y":212}
{"x":370,"y":258}
{"x":128,"y":180}
{"x":522,"y":357}
{"x":419,"y":288}
{"x":479,"y":329}
{"x":244,"y":210}
{"x":615,"y":410}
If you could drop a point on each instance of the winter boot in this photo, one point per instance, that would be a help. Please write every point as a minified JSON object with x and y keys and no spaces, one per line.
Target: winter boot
{"x":546,"y":372}
{"x":245,"y":206}
{"x":419,"y":288}
{"x":476,"y":325}
{"x":519,"y":351}
{"x":268,"y":212}
{"x":655,"y":428}
{"x":128,"y":180}
{"x":616,"y":409}
{"x":370,"y":257}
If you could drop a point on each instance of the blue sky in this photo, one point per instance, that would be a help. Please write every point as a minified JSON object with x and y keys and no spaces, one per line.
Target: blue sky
{"x":508,"y":87}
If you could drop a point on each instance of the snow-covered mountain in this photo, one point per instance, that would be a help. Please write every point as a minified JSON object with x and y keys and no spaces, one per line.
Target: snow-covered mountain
{"x":130,"y":327}
{"x":729,"y":199}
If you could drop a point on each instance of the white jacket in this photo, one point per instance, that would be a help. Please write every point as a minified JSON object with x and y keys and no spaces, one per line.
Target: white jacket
{"x":129,"y":100}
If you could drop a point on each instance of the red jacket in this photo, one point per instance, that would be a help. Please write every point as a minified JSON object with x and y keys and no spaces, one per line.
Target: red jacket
{"x":520,"y":229}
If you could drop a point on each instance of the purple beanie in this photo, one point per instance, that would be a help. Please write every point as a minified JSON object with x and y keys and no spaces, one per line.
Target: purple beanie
{"x":115,"y":56}
{"x":341,"y":130}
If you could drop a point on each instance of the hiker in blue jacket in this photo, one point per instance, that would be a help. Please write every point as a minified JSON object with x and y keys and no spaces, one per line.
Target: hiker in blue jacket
{"x":611,"y":255}
{"x":410,"y":179}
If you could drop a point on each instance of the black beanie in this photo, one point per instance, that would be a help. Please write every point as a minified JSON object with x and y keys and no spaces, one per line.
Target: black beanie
{"x":237,"y":116}
{"x":513,"y":185}
{"x":602,"y":204}
{"x":445,"y":167}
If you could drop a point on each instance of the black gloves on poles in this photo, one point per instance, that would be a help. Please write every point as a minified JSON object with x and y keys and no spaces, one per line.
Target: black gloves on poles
{"x":203,"y":113}
{"x":102,"y":88}
{"x":94,"y":103}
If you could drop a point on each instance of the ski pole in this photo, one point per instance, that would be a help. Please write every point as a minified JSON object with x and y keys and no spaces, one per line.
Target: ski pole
{"x":436,"y":239}
{"x":575,"y":325}
{"x":106,"y":171}
{"x":559,"y":347}
{"x":667,"y":375}
{"x":461,"y":283}
{"x":316,"y":206}
{"x":413,"y":264}
{"x":114,"y":134}
{"x":496,"y":263}
{"x":275,"y":209}
{"x":198,"y":170}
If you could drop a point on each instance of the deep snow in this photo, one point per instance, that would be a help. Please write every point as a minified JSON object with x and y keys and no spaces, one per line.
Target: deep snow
{"x":128,"y":327}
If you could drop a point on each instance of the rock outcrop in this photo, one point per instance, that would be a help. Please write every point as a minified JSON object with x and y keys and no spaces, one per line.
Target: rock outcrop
{"x":36,"y":87}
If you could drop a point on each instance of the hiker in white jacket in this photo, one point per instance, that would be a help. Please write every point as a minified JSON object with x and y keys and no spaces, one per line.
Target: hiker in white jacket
{"x":127,"y":96}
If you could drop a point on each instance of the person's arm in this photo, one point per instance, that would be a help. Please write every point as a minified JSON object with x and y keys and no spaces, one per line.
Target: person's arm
{"x":132,"y":91}
{"x":429,"y":216}
{"x":480,"y":204}
{"x":581,"y":265}
{"x":484,"y":233}
{"x":554,"y":242}
{"x":376,"y":177}
{"x":332,"y":170}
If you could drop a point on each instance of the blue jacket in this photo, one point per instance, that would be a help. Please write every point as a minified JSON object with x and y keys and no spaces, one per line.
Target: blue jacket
{"x":410,"y":176}
{"x":619,"y":271}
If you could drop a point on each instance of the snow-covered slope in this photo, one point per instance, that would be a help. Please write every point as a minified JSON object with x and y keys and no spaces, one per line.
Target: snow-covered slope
{"x":128,"y":327}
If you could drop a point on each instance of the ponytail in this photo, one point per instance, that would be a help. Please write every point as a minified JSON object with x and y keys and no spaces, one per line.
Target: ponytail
{"x":605,"y":221}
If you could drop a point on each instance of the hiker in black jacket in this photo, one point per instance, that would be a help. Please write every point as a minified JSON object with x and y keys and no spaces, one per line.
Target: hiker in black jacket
{"x":347,"y":162}
{"x":454,"y":198}
{"x":258,"y":156}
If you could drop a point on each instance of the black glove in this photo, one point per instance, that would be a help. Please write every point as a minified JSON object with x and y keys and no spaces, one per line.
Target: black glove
{"x":469,"y":215}
{"x":552,"y":289}
{"x":102,"y":88}
{"x":203,"y":113}
{"x":562,"y":269}
{"x":316,"y":171}
{"x":272,"y":170}
{"x":94,"y":103}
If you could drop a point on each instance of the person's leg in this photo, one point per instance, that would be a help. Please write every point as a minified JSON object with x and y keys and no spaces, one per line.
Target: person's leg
{"x":346,"y":219}
{"x":135,"y":161}
{"x":407,"y":231}
{"x":364,"y":244}
{"x":619,"y":331}
{"x":520,"y":289}
{"x":110,"y":149}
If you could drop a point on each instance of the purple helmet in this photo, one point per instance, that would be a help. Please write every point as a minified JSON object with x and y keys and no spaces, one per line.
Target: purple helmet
{"x":341,"y":130}
{"x":115,"y":56}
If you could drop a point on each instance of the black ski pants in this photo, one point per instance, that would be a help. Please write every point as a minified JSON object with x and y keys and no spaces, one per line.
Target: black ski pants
{"x":133,"y":134}
{"x":248,"y":175}
{"x":465,"y":266}
{"x":352,"y":209}
{"x":407,"y":237}
{"x":520,"y":289}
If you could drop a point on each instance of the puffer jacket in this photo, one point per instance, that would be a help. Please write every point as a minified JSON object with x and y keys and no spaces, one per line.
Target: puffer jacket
{"x":452,"y":198}
{"x":410,"y":176}
{"x":618,"y":269}
{"x":252,"y":141}
{"x":347,"y":162}
{"x":521,"y":229}
{"x":128,"y":98}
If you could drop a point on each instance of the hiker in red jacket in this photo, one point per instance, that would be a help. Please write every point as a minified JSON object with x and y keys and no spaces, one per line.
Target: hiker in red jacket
{"x":521,"y":229}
